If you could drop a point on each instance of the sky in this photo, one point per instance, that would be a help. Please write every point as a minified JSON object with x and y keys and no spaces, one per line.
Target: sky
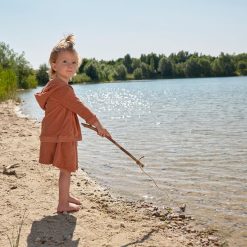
{"x":109,"y":29}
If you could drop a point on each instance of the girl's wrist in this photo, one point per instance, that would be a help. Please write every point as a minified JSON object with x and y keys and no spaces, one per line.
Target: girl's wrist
{"x":98,"y":125}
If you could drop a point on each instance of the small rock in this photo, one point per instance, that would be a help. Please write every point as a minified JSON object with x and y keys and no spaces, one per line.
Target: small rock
{"x":13,"y":187}
{"x":204,"y":240}
{"x":9,"y":173}
{"x":213,"y":238}
{"x":122,"y":225}
{"x":182,"y":216}
{"x":192,"y":230}
{"x":182,"y":207}
{"x":156,"y":214}
{"x":37,"y":239}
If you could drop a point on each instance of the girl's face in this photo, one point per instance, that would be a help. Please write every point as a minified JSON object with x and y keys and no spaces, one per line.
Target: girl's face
{"x":65,"y":65}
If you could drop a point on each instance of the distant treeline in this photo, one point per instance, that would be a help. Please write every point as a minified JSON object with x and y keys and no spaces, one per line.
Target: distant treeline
{"x":16,"y":72}
{"x":153,"y":66}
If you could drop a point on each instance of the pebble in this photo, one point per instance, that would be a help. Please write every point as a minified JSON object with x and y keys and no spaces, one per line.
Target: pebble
{"x":122,"y":225}
{"x":213,"y":238}
{"x":182,"y":216}
{"x":156,"y":214}
{"x":37,"y":239}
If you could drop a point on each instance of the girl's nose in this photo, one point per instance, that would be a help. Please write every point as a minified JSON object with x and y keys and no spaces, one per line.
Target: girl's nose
{"x":70,"y":65}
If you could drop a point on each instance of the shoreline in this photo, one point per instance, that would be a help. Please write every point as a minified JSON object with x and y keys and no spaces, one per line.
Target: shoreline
{"x":30,"y":188}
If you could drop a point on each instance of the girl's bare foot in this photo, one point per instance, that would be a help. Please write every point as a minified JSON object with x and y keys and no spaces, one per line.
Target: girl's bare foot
{"x":74,"y":200}
{"x":70,"y":207}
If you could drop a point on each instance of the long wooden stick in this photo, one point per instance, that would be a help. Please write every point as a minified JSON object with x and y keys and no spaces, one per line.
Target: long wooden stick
{"x":138,"y":162}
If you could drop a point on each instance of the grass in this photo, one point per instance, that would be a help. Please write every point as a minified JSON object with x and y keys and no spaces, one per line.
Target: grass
{"x":15,"y":238}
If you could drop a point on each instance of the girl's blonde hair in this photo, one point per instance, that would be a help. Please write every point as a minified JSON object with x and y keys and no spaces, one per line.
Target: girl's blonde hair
{"x":65,"y":44}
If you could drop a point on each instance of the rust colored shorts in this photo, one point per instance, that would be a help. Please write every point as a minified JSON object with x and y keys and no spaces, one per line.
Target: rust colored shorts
{"x":63,"y":155}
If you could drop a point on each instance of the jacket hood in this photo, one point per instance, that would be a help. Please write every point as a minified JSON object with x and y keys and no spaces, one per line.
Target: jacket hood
{"x":48,"y":90}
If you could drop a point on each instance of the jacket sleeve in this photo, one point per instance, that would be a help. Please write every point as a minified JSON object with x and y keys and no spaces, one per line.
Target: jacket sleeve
{"x":66,"y":96}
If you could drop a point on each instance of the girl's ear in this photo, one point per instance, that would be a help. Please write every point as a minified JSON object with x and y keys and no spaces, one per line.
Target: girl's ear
{"x":53,"y":66}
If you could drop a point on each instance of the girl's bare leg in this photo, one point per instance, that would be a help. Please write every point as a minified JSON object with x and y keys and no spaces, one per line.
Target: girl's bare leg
{"x":64,"y":204}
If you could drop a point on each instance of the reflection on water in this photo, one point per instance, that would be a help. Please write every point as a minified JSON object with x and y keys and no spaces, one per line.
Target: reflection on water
{"x":192,"y":133}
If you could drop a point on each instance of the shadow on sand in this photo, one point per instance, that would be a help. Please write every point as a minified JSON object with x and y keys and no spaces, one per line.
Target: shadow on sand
{"x":142,"y":240}
{"x":54,"y":230}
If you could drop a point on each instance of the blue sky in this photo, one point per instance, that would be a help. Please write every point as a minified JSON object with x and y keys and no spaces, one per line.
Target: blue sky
{"x":109,"y":29}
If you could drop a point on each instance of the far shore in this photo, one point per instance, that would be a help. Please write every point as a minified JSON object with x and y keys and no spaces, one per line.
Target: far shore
{"x":29,"y":192}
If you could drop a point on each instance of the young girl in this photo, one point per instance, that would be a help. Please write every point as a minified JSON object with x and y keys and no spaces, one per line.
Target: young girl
{"x":60,"y":129}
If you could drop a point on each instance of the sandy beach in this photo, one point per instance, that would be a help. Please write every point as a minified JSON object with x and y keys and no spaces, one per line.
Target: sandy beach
{"x":30,"y":190}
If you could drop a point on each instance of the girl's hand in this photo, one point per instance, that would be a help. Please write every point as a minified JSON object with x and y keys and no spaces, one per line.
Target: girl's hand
{"x":103,"y":132}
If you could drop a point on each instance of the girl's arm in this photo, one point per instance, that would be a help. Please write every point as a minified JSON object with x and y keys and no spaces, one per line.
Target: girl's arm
{"x":67,"y":97}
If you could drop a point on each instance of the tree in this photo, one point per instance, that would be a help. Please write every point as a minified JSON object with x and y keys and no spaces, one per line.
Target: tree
{"x":179,"y":70}
{"x":153,"y":61}
{"x":182,"y":56}
{"x":145,"y":71}
{"x":7,"y":56}
{"x":83,"y":64}
{"x":120,"y":72}
{"x":223,"y":65}
{"x":143,"y":58}
{"x":138,"y":74}
{"x":193,"y":68}
{"x":91,"y":70}
{"x":165,"y":67}
{"x":242,"y":67}
{"x":205,"y":65}
{"x":136,"y":63}
{"x":127,"y":62}
{"x":42,"y":74}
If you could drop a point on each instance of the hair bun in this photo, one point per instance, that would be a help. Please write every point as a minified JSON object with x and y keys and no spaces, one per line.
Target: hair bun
{"x":67,"y":42}
{"x":70,"y":39}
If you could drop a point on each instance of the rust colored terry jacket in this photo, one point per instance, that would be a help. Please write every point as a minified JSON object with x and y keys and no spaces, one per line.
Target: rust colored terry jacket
{"x":61,"y":106}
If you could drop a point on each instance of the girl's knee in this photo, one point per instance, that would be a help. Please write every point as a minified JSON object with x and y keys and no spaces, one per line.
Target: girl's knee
{"x":64,"y":172}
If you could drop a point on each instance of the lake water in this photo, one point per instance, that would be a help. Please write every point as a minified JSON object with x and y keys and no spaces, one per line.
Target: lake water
{"x":193,"y":134}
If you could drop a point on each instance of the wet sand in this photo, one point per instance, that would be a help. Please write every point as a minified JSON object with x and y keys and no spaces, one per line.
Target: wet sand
{"x":30,"y":189}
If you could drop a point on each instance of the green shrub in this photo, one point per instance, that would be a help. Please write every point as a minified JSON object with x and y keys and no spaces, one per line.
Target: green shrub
{"x":8,"y":84}
{"x":81,"y":78}
{"x":29,"y":82}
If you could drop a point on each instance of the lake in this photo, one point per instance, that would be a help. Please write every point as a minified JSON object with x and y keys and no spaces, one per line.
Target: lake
{"x":193,"y":134}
